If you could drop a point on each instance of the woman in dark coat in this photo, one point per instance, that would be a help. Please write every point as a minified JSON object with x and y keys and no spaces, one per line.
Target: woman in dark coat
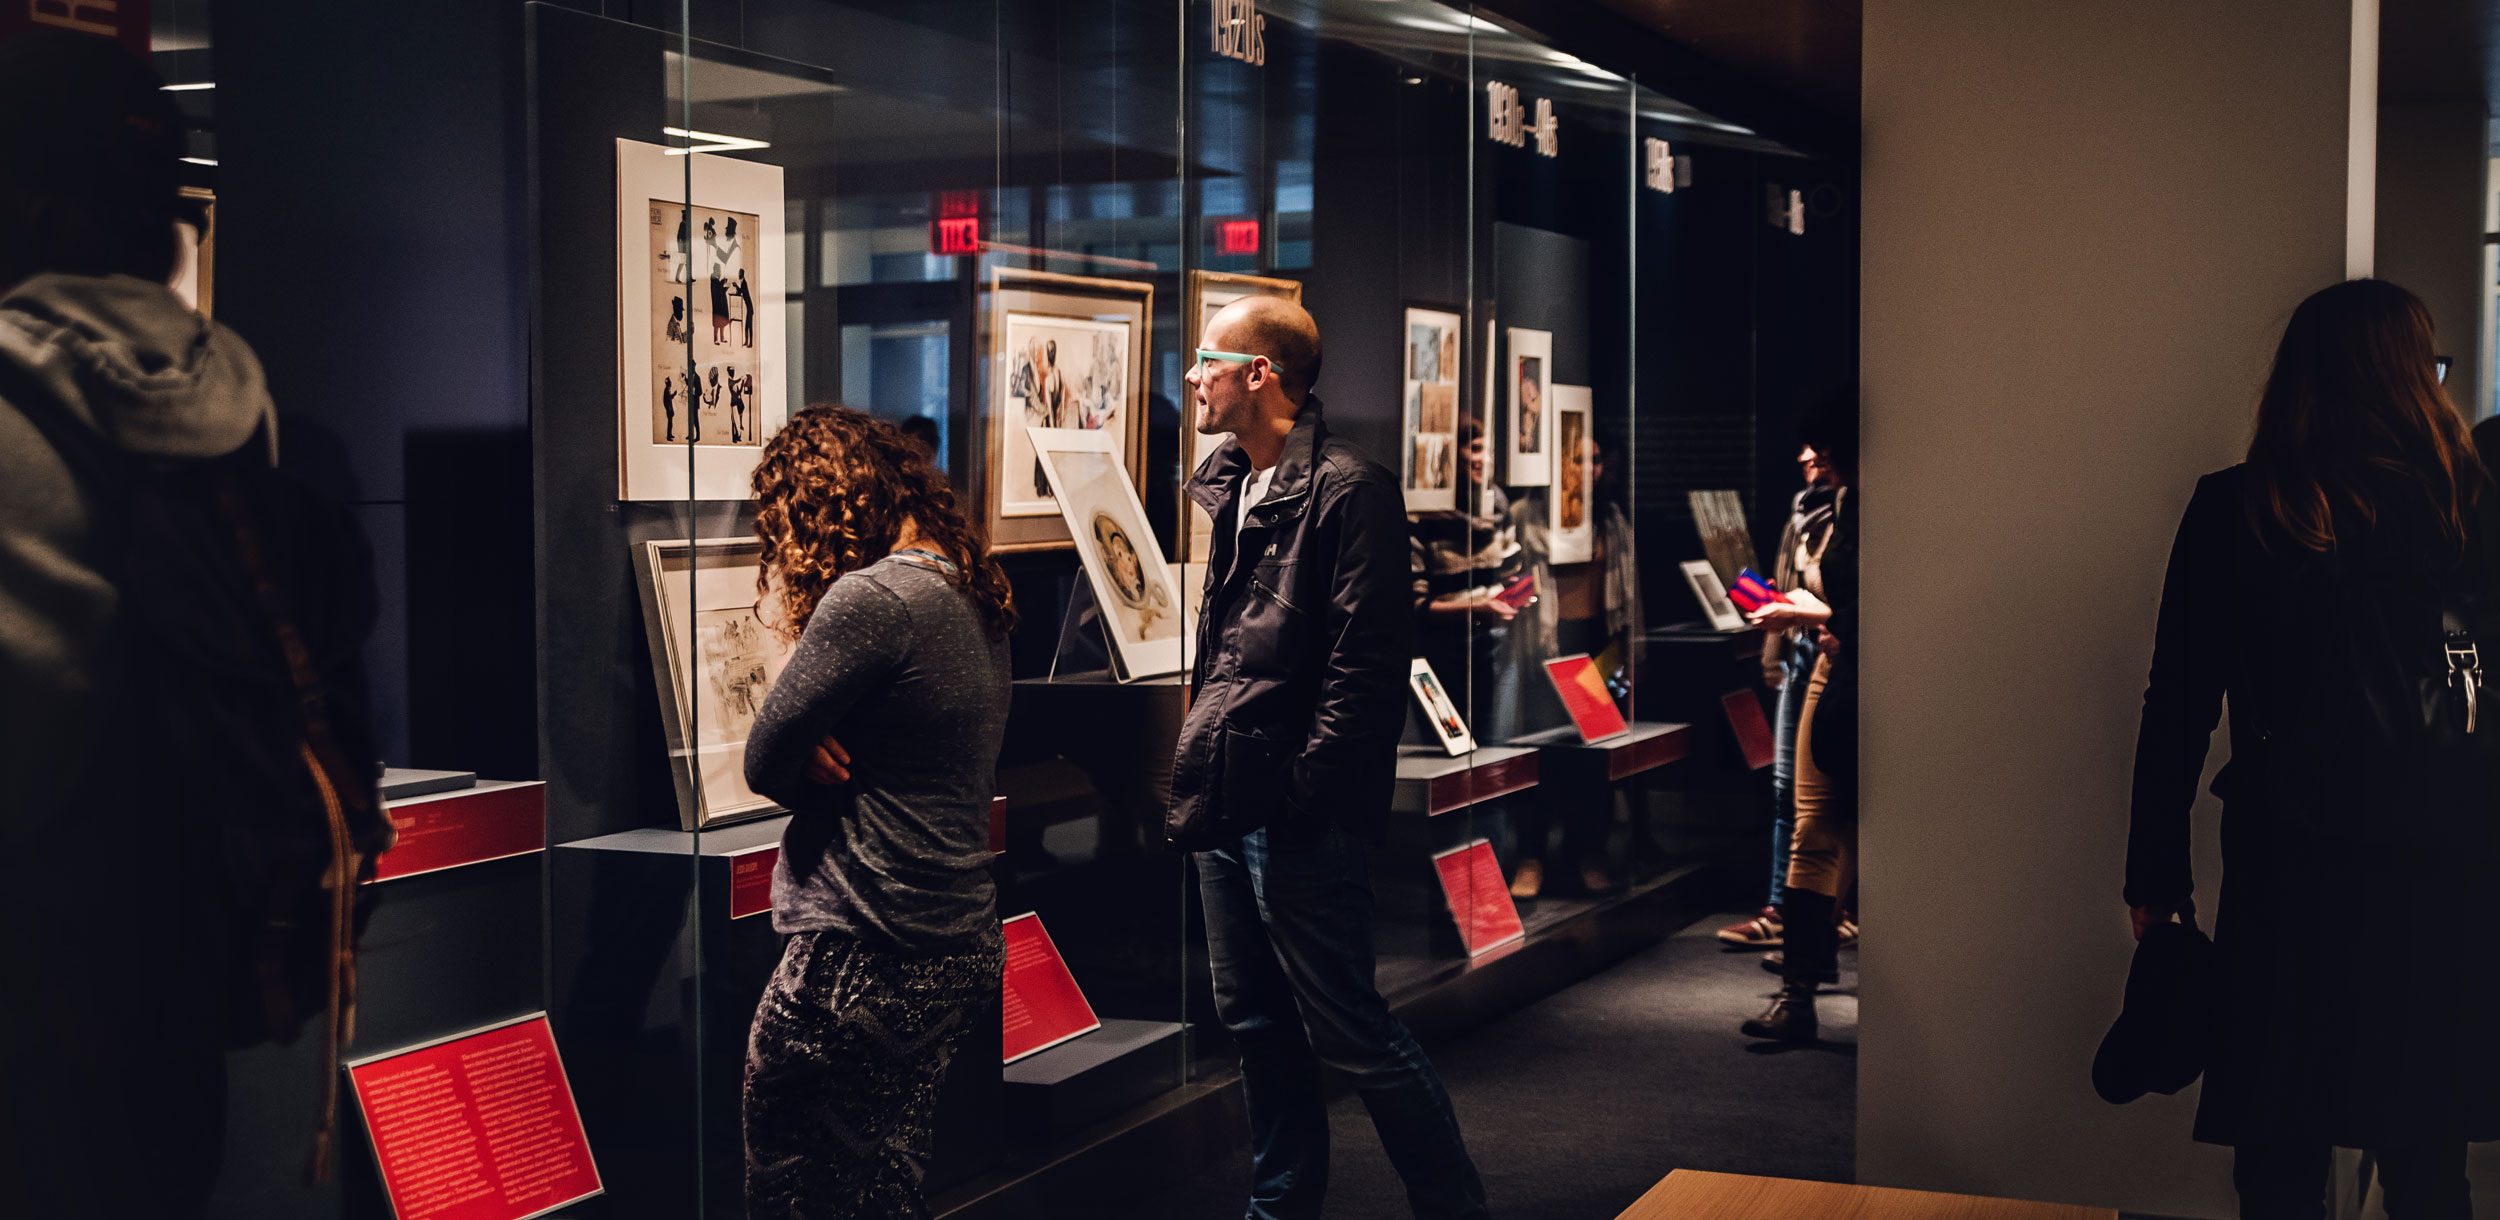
{"x":2358,"y":970}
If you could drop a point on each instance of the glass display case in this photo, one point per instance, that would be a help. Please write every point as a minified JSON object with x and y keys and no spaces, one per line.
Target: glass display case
{"x":1004,"y":226}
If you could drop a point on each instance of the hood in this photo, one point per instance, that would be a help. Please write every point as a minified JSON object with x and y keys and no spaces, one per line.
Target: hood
{"x":132,"y":362}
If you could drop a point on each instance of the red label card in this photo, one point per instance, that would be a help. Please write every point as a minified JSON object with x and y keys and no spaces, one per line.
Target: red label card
{"x":1479,"y":897}
{"x":1043,"y":1006}
{"x":1753,"y":732}
{"x":480,"y":1127}
{"x":470,"y":826}
{"x":751,"y":880}
{"x":1584,"y":695}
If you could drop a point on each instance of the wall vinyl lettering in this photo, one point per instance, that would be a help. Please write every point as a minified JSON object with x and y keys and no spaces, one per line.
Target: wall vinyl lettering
{"x":1786,"y":209}
{"x":1658,"y":165}
{"x":1239,"y":31}
{"x":1506,"y":120}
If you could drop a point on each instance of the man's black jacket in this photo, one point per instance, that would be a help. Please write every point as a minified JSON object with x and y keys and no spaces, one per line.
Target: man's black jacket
{"x":1298,"y":695}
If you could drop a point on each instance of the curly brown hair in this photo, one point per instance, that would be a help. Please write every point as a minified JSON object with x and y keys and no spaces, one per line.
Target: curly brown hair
{"x":832,"y":492}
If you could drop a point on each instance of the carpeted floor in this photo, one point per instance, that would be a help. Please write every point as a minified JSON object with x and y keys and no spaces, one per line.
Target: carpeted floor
{"x":1576,"y":1105}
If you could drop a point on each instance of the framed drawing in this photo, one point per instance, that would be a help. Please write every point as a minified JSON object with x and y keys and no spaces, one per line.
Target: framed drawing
{"x":1439,"y":712}
{"x":715,"y":660}
{"x":1570,"y":528}
{"x":1528,"y":434}
{"x":1429,"y":460}
{"x":1208,"y":293}
{"x":1065,"y":352}
{"x":700,"y":342}
{"x":1140,"y":604}
{"x":1722,"y":613}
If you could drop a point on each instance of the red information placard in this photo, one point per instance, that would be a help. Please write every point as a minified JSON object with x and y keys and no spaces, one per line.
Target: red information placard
{"x":470,"y":826}
{"x":477,"y":1127}
{"x":751,"y":880}
{"x":1753,"y":731}
{"x":1471,"y":879}
{"x":1584,"y":695}
{"x":1043,"y":1005}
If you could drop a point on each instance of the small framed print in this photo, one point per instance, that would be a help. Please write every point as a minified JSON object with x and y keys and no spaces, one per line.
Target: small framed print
{"x":1429,"y":460}
{"x":1065,"y":351}
{"x":1570,"y":528}
{"x":1140,"y":604}
{"x":1712,"y":594}
{"x":716,"y":659}
{"x":1439,"y":712}
{"x":1528,"y":434}
{"x":700,"y":338}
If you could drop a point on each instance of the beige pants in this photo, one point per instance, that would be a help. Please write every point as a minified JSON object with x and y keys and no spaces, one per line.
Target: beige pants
{"x":1823,"y":850}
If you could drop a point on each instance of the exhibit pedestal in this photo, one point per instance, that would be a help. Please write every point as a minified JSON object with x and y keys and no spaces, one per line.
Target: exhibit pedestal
{"x":1082,"y":1082}
{"x":1566,"y":762}
{"x":1432,"y":783}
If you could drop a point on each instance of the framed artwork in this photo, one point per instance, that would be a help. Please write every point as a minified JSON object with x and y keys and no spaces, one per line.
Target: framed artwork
{"x":1439,"y":712}
{"x":1570,"y":527}
{"x":1140,"y":604}
{"x":196,"y":278}
{"x":1712,"y":595}
{"x":1065,"y":352}
{"x":700,"y":342}
{"x":1208,"y":293}
{"x":1719,"y":518}
{"x":1528,"y":434}
{"x":716,"y":660}
{"x":1429,"y":460}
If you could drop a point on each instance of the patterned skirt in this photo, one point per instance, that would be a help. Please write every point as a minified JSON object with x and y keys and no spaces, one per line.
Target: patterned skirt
{"x":843,"y":1066}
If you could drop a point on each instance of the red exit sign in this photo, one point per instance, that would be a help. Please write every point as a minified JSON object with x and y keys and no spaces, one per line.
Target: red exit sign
{"x":1237,"y":237}
{"x":955,"y":235}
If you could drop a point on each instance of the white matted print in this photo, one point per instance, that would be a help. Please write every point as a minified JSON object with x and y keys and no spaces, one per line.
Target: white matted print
{"x":715,"y":659}
{"x":1528,"y":432}
{"x":1712,"y":595}
{"x":1062,"y":373}
{"x":1570,"y":532}
{"x":1439,"y":712}
{"x":1430,"y":461}
{"x":1133,"y":585}
{"x":700,"y":339}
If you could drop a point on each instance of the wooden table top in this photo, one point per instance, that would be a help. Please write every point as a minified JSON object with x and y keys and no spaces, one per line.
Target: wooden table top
{"x":1689,"y":1194}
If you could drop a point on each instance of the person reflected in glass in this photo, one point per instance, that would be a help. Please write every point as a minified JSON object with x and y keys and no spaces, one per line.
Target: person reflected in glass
{"x":881,"y":737}
{"x":2327,"y":590}
{"x":1286,"y":761}
{"x":1823,"y":838}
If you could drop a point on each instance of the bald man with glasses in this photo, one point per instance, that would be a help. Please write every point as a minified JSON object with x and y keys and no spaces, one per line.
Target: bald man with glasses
{"x":1286,"y":761}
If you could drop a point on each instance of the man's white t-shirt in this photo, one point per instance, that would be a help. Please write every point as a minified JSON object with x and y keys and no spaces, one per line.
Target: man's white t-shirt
{"x":1253,"y":489}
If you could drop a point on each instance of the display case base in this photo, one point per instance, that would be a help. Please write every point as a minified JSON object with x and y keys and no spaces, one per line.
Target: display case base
{"x":1082,"y":1082}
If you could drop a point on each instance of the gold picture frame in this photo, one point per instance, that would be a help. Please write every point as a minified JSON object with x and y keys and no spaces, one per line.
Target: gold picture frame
{"x":1098,"y":383}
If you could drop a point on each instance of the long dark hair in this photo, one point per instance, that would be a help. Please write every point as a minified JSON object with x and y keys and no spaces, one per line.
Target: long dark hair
{"x":832,"y":491}
{"x":2354,"y":424}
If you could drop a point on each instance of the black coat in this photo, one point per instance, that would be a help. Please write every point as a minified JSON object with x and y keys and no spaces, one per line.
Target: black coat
{"x":1299,"y":691}
{"x":2360,"y":969}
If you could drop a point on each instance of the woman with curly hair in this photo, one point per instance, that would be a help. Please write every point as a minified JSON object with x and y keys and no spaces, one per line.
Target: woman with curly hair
{"x":883,"y":886}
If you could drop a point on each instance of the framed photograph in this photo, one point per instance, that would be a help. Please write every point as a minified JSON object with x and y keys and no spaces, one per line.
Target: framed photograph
{"x":1712,"y":595}
{"x":715,"y":660}
{"x":1439,"y":712}
{"x":1133,"y":586}
{"x":1570,"y":515}
{"x":1207,"y":294}
{"x":1528,"y":434}
{"x":700,"y":342}
{"x":1429,"y":460}
{"x":1065,"y":352}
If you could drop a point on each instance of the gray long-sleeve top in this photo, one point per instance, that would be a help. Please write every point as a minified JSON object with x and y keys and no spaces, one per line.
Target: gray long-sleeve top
{"x":897,"y":663}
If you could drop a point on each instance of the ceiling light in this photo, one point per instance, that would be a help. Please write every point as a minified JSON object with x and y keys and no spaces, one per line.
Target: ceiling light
{"x":712,"y":141}
{"x":197,"y":161}
{"x":189,"y":86}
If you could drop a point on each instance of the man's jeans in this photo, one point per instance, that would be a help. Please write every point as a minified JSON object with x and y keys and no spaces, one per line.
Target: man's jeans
{"x":1289,"y":934}
{"x":1792,"y":704}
